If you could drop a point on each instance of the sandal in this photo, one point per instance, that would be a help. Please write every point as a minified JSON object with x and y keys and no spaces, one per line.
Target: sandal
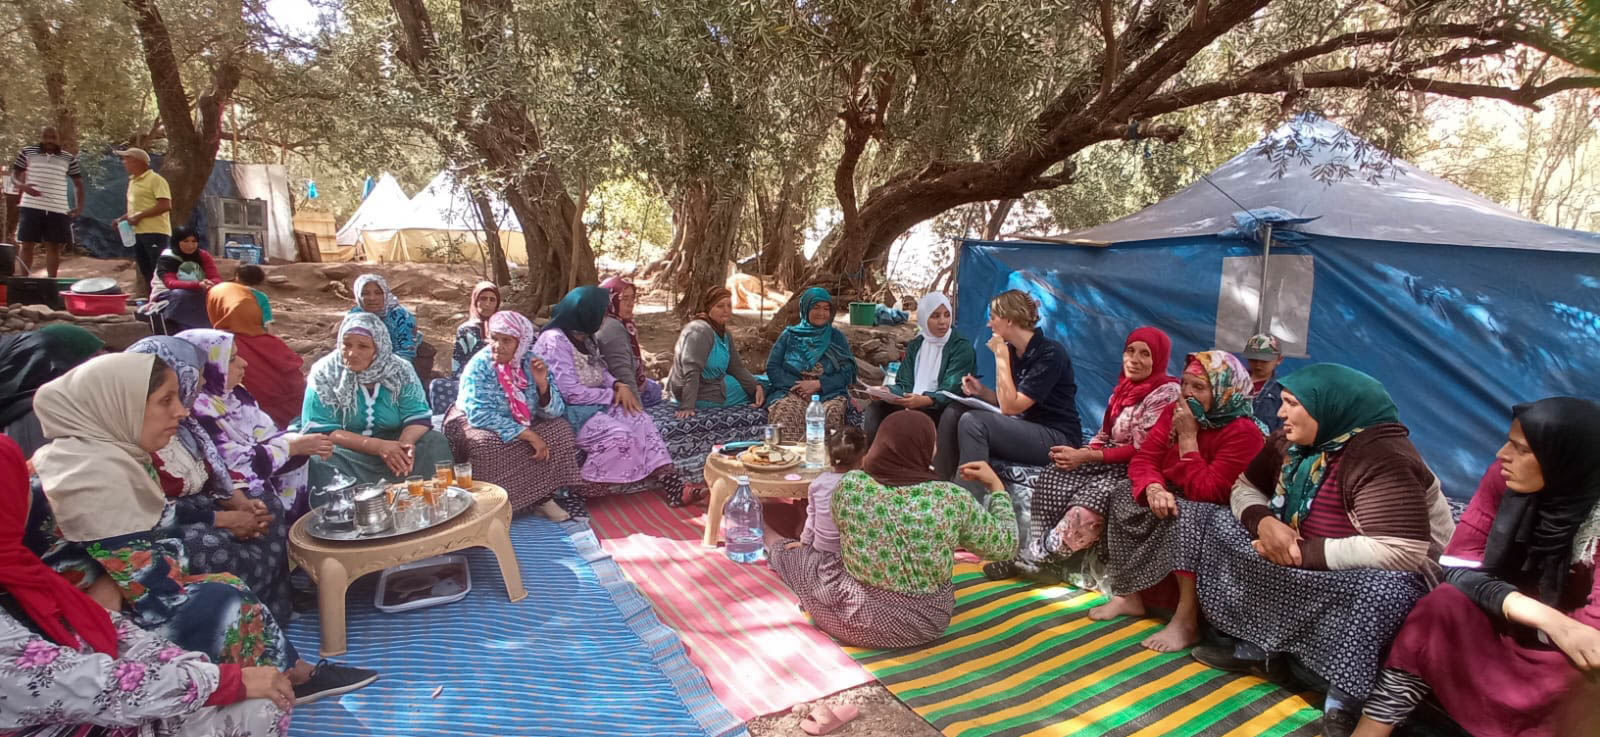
{"x":1000,"y":570}
{"x":827,"y":719}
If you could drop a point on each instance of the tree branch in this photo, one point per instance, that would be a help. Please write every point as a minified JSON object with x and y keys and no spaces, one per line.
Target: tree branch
{"x":1525,"y":96}
{"x":1486,"y":31}
{"x":166,"y":78}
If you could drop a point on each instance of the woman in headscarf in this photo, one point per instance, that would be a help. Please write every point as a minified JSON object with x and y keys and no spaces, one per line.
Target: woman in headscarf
{"x":1339,"y":530}
{"x":714,"y":398}
{"x":27,"y":361}
{"x":184,"y":272}
{"x":373,"y":297}
{"x":73,"y":668}
{"x":899,"y":528}
{"x":622,"y":444}
{"x":105,"y":419}
{"x":619,"y":342}
{"x":1506,"y":644}
{"x":811,"y":358}
{"x":1185,"y":468}
{"x":369,"y":402}
{"x":1071,"y":498}
{"x":275,"y":381}
{"x":510,"y":421}
{"x":472,"y":335}
{"x":264,"y":459}
{"x":222,"y":529}
{"x":936,"y":361}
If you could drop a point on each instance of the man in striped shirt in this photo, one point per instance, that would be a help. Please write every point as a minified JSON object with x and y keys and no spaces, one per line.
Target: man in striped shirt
{"x":44,"y":216}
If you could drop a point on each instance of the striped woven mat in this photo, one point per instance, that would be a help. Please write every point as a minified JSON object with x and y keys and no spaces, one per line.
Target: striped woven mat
{"x":1024,"y":660}
{"x":582,"y":655}
{"x":740,"y":622}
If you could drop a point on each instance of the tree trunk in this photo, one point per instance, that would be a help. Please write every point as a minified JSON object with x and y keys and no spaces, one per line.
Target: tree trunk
{"x":710,"y":216}
{"x":47,"y":43}
{"x":498,"y":272}
{"x":507,"y":144}
{"x":192,"y":142}
{"x":997,"y":219}
{"x":781,"y":217}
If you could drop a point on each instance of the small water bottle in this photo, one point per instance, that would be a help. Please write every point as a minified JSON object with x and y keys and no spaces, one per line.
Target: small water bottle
{"x":742,"y":525}
{"x":816,"y":434}
{"x":891,"y":373}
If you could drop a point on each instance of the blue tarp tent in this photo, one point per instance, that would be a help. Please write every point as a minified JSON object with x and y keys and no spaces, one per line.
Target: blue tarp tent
{"x":107,"y":200}
{"x":1460,"y":306}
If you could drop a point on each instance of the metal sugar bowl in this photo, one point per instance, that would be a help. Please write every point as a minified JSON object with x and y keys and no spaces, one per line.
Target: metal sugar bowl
{"x":372,"y":509}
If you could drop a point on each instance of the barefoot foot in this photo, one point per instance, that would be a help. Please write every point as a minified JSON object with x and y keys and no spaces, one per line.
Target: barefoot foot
{"x":1173,"y":637}
{"x":1119,"y":606}
{"x":553,"y":511}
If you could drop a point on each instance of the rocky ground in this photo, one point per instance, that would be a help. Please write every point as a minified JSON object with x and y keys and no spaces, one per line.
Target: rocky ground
{"x":309,"y":300}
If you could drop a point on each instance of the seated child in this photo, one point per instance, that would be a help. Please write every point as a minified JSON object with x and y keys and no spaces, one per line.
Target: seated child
{"x":253,"y":276}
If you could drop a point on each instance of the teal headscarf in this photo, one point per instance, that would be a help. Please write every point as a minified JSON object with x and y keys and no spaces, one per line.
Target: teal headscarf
{"x":582,"y":311}
{"x":811,"y":344}
{"x":1344,"y":402}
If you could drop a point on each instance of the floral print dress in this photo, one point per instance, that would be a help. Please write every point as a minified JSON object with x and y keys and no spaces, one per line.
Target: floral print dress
{"x":890,"y":587}
{"x":152,"y":687}
{"x":215,"y":614}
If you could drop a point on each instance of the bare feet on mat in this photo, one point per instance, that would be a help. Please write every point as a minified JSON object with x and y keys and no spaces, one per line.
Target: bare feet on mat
{"x":1172,"y":638}
{"x":1119,"y":606}
{"x":553,"y":511}
{"x":826,"y":719}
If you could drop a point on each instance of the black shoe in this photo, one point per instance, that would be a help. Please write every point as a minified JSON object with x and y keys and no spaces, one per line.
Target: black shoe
{"x":1338,"y":723}
{"x":1222,"y":658}
{"x":331,"y":679}
{"x":1000,"y":570}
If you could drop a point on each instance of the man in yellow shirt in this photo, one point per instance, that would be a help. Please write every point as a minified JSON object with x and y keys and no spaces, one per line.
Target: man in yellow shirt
{"x":149,"y":202}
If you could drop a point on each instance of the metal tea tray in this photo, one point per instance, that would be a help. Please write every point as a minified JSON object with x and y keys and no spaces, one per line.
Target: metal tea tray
{"x":456,"y":502}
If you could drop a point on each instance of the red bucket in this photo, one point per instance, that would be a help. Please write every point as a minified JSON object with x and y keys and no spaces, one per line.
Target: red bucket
{"x":86,"y":305}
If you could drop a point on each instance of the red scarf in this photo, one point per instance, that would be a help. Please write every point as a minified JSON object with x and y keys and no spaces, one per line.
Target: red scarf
{"x":273,"y":378}
{"x":1131,"y":393}
{"x":57,"y":608}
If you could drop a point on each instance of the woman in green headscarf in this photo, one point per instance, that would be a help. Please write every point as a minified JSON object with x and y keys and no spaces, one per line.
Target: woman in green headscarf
{"x":811,"y":358}
{"x":1340,"y":526}
{"x":27,"y":362}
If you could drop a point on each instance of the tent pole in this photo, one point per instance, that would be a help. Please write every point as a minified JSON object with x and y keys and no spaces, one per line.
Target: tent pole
{"x":1261,"y":301}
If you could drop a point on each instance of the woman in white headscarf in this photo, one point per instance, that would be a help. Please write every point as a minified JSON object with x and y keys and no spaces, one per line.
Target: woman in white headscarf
{"x":935,"y":361}
{"x":106,"y":419}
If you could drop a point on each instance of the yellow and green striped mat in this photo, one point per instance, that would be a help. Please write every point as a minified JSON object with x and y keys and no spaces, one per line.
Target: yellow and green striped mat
{"x":1020,"y":659}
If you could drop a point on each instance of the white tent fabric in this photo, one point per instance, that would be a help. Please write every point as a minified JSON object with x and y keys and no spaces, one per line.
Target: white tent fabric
{"x":1376,"y":198}
{"x":440,"y":223}
{"x":446,"y":205}
{"x":385,"y":208}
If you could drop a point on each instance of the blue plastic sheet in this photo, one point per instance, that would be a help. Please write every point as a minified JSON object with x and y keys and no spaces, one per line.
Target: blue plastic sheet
{"x":1458,"y":335}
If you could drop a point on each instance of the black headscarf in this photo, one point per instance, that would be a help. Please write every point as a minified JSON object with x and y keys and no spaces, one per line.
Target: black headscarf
{"x":30,"y":360}
{"x":1531,"y":542}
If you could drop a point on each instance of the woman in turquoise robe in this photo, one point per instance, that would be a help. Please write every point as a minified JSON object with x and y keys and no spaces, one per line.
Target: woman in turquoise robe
{"x":369,"y":402}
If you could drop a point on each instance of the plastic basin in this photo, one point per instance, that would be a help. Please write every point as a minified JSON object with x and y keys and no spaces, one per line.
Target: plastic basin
{"x":87,"y":305}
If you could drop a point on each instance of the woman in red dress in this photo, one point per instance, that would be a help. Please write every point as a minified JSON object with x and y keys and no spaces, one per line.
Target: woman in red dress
{"x":1506,"y":645}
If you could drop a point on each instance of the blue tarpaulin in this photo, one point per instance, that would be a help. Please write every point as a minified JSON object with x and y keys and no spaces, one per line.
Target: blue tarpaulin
{"x":1458,"y":331}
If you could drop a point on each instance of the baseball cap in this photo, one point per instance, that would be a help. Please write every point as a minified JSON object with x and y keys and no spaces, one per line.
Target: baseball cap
{"x":134,"y":153}
{"x":1262,"y":347}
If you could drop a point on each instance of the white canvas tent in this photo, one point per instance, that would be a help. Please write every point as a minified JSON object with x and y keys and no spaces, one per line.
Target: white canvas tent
{"x":382,"y":211}
{"x":440,"y":217}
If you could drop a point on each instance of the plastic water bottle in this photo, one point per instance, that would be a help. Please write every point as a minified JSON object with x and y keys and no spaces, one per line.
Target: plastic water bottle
{"x":816,"y":434}
{"x":742,"y":525}
{"x":891,"y":373}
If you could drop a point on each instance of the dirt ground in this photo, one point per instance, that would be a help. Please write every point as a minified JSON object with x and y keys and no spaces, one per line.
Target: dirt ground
{"x":309,"y":300}
{"x":882,"y":715}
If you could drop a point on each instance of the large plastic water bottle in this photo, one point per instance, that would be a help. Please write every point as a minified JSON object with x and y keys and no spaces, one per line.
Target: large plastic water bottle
{"x":816,"y":434}
{"x":742,"y":525}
